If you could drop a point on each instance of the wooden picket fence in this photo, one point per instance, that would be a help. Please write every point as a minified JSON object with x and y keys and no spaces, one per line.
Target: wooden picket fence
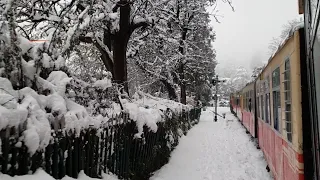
{"x":111,"y":148}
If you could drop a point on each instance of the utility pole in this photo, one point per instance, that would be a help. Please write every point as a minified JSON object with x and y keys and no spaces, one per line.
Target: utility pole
{"x":216,"y":100}
{"x":215,"y":82}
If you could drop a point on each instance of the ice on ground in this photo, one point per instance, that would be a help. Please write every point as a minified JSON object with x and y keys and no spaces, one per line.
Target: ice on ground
{"x":215,"y":151}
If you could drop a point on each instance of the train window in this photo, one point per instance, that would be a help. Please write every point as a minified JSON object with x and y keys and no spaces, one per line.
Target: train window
{"x":247,"y":98}
{"x":267,"y":108}
{"x":250,"y":104}
{"x":258,"y":105}
{"x":276,"y":109}
{"x":276,"y":78}
{"x":276,"y":98}
{"x":313,"y":9}
{"x":252,"y":101}
{"x":244,"y":101}
{"x":248,"y":101}
{"x":267,"y":104}
{"x":262,"y":111}
{"x":287,"y":96}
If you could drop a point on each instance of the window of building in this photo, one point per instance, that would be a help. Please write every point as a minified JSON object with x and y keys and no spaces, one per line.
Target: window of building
{"x":287,"y":96}
{"x":276,"y":98}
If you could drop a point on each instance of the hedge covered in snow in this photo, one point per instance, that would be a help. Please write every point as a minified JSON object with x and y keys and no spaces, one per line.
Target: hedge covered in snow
{"x":68,"y":125}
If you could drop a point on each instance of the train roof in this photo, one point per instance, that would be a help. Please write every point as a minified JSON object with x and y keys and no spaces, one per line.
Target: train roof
{"x":289,"y":35}
{"x":281,"y":45}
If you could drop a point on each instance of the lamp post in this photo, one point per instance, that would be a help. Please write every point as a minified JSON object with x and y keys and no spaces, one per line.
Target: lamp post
{"x":216,"y":82}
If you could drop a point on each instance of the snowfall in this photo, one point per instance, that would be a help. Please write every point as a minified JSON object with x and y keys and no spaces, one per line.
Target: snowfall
{"x":211,"y":151}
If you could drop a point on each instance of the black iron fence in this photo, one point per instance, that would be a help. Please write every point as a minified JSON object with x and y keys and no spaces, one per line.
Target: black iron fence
{"x":113,"y":147}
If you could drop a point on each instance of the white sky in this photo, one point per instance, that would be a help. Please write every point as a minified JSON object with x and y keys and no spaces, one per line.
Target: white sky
{"x":243,"y":36}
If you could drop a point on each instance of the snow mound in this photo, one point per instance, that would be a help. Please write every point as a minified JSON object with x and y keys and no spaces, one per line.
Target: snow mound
{"x":41,"y":111}
{"x":103,"y":84}
{"x":148,"y":110}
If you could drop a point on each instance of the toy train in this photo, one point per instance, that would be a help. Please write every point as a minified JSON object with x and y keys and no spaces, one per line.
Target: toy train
{"x":275,"y":110}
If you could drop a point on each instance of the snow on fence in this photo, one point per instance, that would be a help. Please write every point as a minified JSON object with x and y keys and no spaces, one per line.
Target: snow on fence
{"x":112,"y":147}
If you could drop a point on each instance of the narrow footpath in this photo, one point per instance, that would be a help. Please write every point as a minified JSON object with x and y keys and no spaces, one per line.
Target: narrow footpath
{"x":215,"y":151}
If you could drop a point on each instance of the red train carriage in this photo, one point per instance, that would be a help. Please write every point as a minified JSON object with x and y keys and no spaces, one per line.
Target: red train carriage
{"x":235,"y":103}
{"x":248,"y":108}
{"x":282,"y":120}
{"x":232,"y":103}
{"x":239,"y":102}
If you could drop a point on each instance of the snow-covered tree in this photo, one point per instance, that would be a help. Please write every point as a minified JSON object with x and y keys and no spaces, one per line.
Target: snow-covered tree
{"x":107,"y":25}
{"x":236,"y":79}
{"x":182,"y":53}
{"x":275,"y":42}
{"x":256,"y":71}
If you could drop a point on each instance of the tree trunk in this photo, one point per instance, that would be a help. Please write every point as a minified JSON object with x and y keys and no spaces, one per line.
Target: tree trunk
{"x":120,"y":46}
{"x":104,"y":55}
{"x":183,"y":93}
{"x":183,"y":98}
{"x":171,"y":91}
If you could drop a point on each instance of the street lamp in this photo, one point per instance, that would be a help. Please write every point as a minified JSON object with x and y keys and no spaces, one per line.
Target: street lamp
{"x":216,"y":82}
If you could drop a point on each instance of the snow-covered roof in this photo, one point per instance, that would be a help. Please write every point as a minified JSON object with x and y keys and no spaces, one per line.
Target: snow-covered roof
{"x":289,"y":35}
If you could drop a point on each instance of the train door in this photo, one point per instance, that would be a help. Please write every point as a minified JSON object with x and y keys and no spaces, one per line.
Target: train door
{"x":316,"y":98}
{"x":241,"y":106}
{"x":310,"y":93}
{"x":256,"y":104}
{"x":254,"y":113}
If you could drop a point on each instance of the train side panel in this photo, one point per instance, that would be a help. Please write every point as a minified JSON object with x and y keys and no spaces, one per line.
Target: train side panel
{"x":280,"y":119}
{"x":248,"y":110}
{"x":239,"y":106}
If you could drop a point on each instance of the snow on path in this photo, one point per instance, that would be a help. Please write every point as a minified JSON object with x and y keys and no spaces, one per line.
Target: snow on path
{"x":215,"y":151}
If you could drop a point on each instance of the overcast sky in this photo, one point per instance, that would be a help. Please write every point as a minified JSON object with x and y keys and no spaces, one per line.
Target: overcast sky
{"x":244,"y":35}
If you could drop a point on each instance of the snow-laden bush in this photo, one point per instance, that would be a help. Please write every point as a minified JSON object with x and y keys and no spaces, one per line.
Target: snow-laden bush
{"x":51,"y":125}
{"x":83,"y":106}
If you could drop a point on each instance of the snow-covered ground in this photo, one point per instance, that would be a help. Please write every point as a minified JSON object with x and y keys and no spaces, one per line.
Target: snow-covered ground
{"x":210,"y":151}
{"x":215,"y":151}
{"x":42,"y":175}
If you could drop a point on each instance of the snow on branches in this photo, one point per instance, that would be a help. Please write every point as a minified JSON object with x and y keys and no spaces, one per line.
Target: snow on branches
{"x":177,"y":52}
